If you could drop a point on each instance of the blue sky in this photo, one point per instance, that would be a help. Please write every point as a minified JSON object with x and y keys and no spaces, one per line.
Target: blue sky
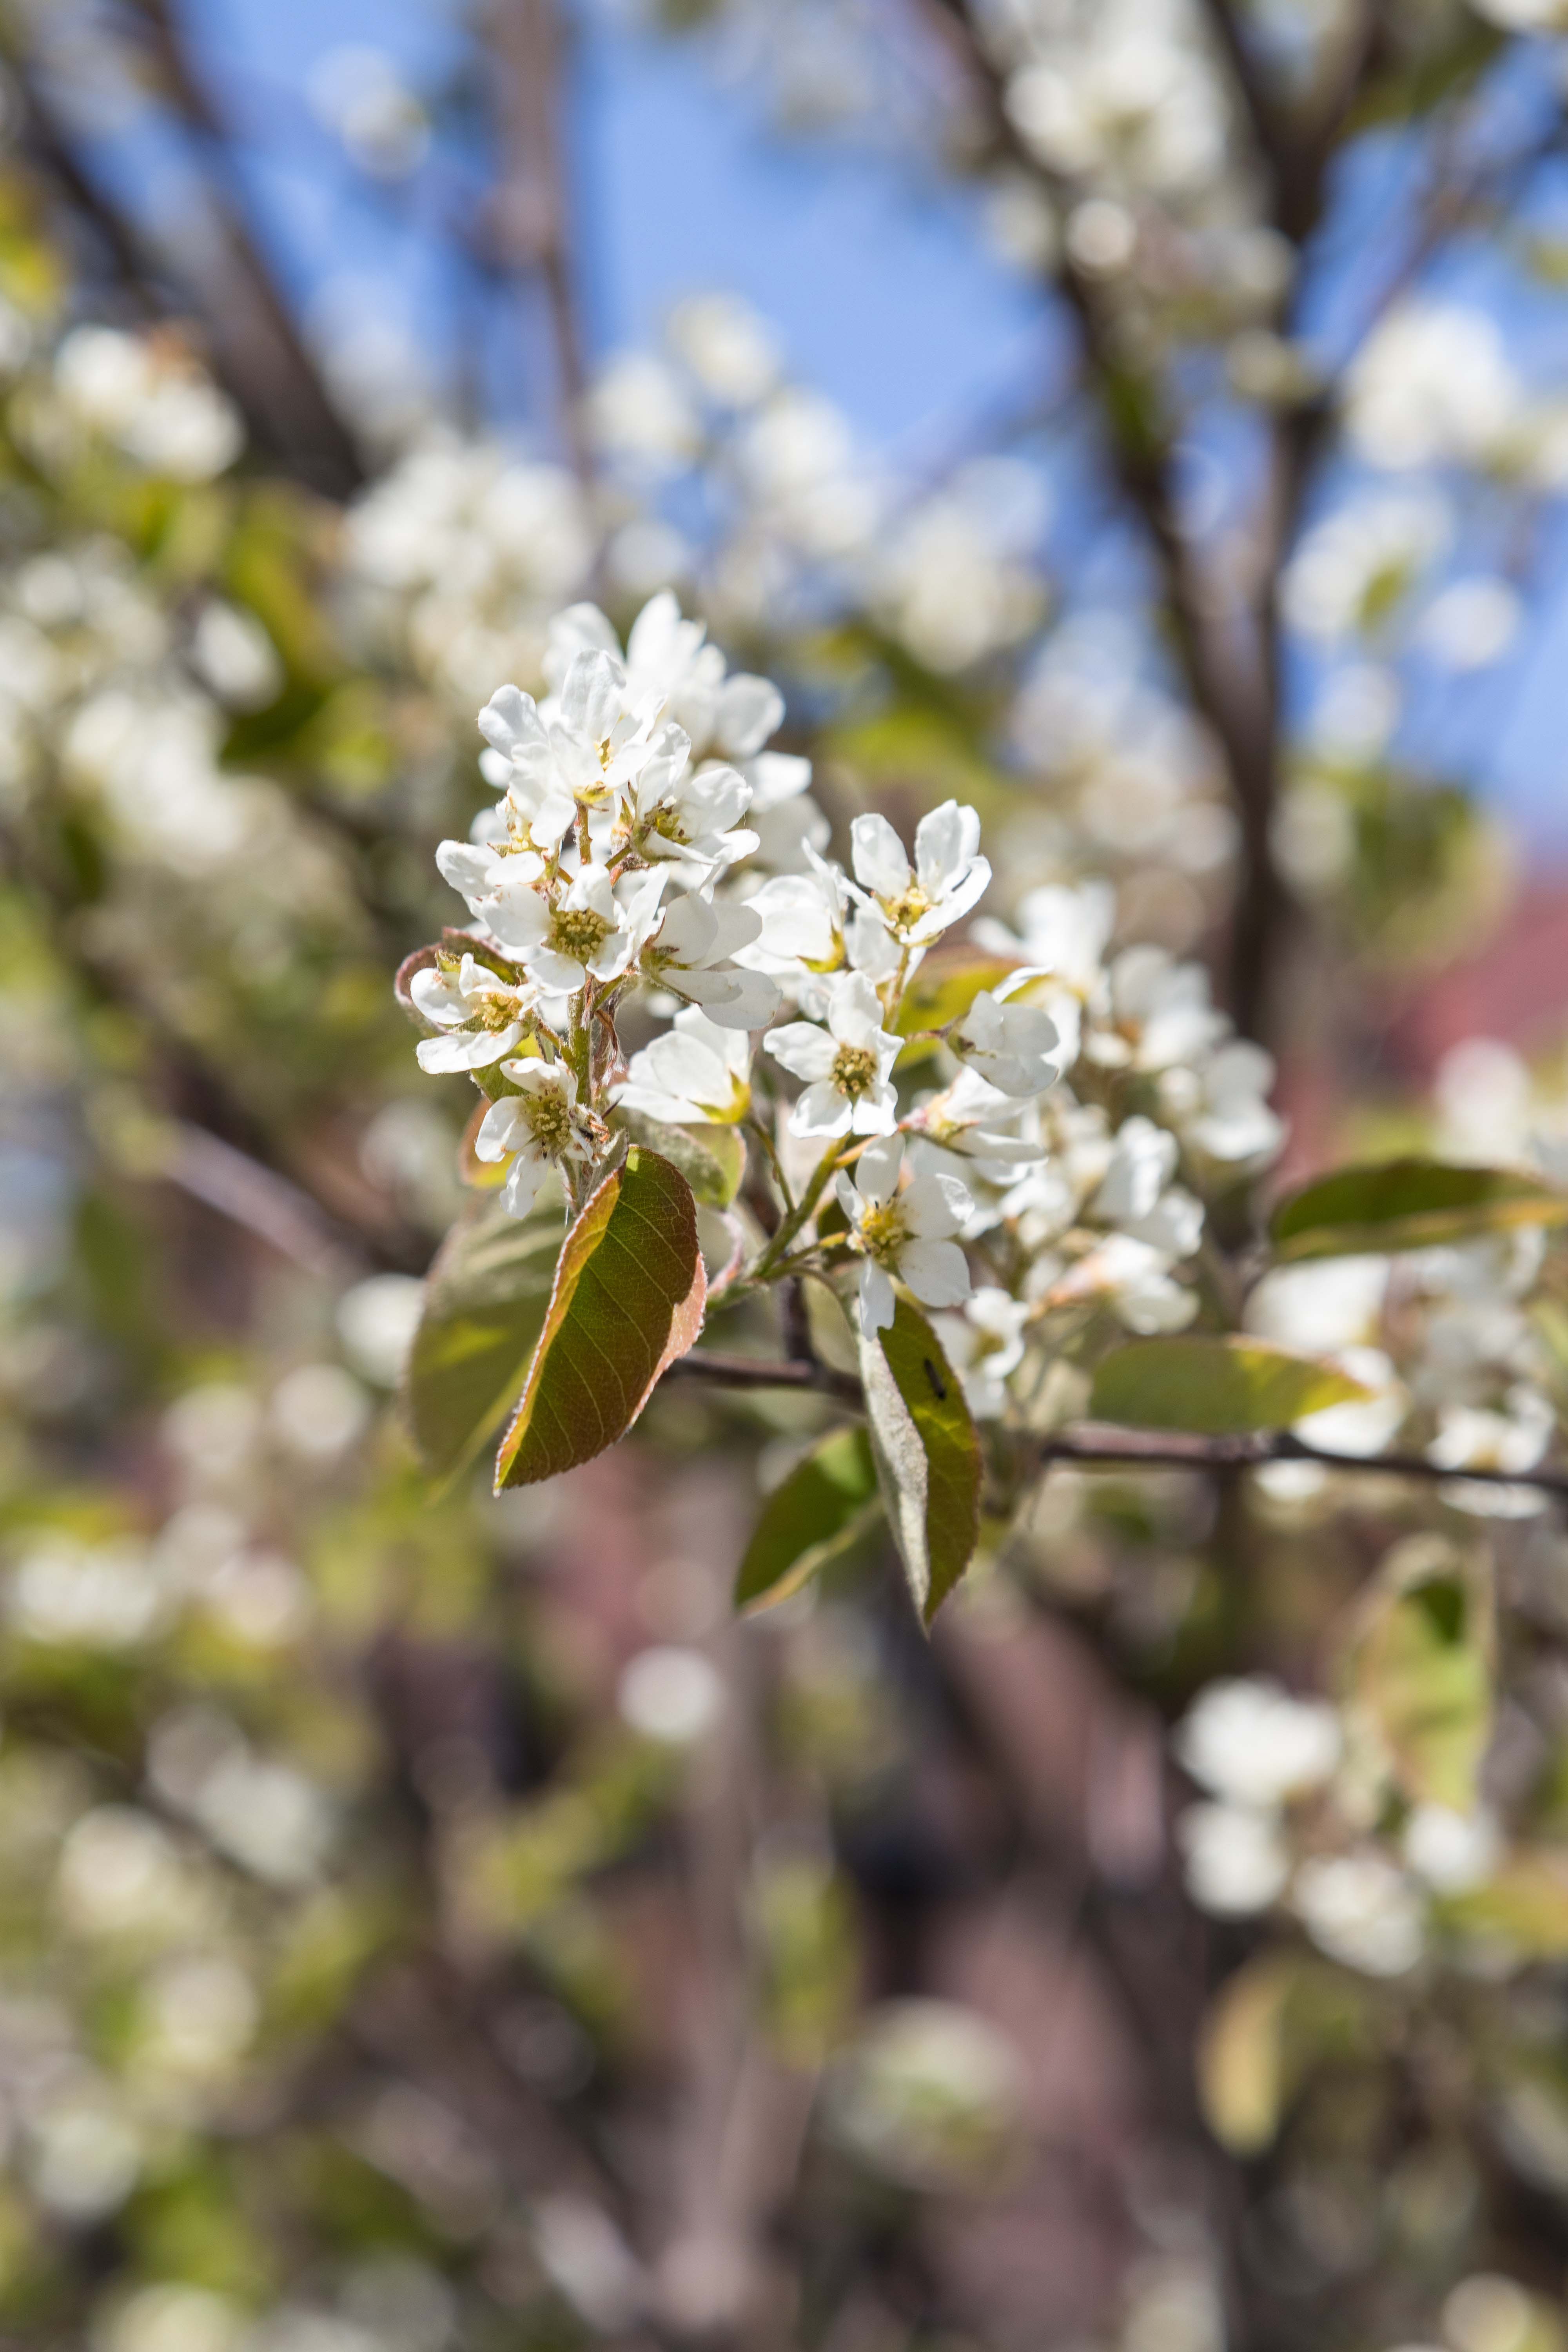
{"x":876,"y":275}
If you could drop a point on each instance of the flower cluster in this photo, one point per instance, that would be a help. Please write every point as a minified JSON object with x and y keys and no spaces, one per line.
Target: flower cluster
{"x":1047,"y":1134}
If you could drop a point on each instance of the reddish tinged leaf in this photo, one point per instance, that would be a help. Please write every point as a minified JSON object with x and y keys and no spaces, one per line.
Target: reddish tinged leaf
{"x":627,"y":1300}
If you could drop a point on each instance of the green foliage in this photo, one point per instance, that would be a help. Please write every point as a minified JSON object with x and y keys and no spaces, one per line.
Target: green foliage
{"x":927,"y":1454}
{"x":825,"y":1504}
{"x":628,"y":1298}
{"x":1420,"y":1671}
{"x":485,"y":1303}
{"x":1215,"y":1387}
{"x":1408,"y":1204}
{"x":711,"y":1157}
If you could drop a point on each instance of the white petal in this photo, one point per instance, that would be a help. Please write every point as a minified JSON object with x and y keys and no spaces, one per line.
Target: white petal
{"x":936,"y":1207}
{"x":510,"y":720}
{"x":553,"y":969}
{"x":749,"y":710}
{"x":805,"y":1051}
{"x":820,"y":1110}
{"x":753,"y":1001}
{"x":522,"y":1188}
{"x":945,"y":841}
{"x":879,"y":856}
{"x":501,"y":1130}
{"x":473,"y":1049}
{"x":438,"y":997}
{"x":877,"y":1170}
{"x":937,"y":1272}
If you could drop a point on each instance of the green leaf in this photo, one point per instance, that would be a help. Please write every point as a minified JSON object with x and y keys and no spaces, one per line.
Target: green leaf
{"x":1524,"y":1906}
{"x":944,"y":989}
{"x":711,"y":1157}
{"x":927,"y":1454}
{"x":1408,"y":1204}
{"x":628,"y":1298}
{"x":1421,"y":1671}
{"x":1214,"y":1388}
{"x":485,"y":1303}
{"x":825,"y":1504}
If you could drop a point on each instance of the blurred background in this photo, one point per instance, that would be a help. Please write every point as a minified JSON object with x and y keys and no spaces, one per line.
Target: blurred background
{"x":433,"y":1923}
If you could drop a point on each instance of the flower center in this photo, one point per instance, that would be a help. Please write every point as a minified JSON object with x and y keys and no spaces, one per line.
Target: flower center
{"x":882,"y":1232}
{"x":667,"y":823}
{"x":905,"y":911}
{"x":578,"y":931}
{"x":549,"y":1117}
{"x":854,"y":1071}
{"x":494,"y":1013}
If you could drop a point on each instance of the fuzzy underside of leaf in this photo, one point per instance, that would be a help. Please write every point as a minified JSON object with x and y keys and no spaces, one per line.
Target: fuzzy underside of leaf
{"x":927,"y":1454}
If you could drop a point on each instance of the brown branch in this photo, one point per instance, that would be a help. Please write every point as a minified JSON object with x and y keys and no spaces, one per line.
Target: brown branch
{"x":1107,"y":1446}
{"x":529,"y":210}
{"x":759,"y":1372}
{"x":1099,"y":1444}
{"x":263,"y":355}
{"x":264,"y":1203}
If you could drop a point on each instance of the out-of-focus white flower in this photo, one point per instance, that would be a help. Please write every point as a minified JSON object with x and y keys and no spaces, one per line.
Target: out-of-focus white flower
{"x":1432,"y":386}
{"x":639,"y":412}
{"x":983,"y":1345}
{"x":972,"y":1118}
{"x":106,"y":1596}
{"x":1471,"y":624}
{"x":199,"y":2013}
{"x":541,"y":1124}
{"x":1354,"y":570}
{"x":929,"y":2095}
{"x":695,"y":1072}
{"x":1470,"y":1437}
{"x":83,"y":2153}
{"x":847,"y":1067}
{"x":1236,"y":1859}
{"x":907,"y":1233}
{"x":1321,"y":1309}
{"x":1015,"y":1048}
{"x":235,"y":656}
{"x":1250,"y":1742}
{"x":1360,"y":1429}
{"x":1160,"y":1011}
{"x":670,"y":1695}
{"x":729,"y":349}
{"x":319,"y":1410}
{"x":1360,"y":1909}
{"x":1222,"y":1107}
{"x":1142,"y":1161}
{"x":150,"y":399}
{"x":121,"y":1875}
{"x":171,"y":2317}
{"x":357,"y":91}
{"x":376,"y":1322}
{"x":1452,"y":1852}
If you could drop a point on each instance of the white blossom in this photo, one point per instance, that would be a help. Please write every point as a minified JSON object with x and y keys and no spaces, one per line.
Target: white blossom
{"x":1015,"y":1047}
{"x":541,"y":1124}
{"x":918,"y":903}
{"x":483,"y":1015}
{"x":846,"y":1066}
{"x":907,"y":1233}
{"x":695,"y":1073}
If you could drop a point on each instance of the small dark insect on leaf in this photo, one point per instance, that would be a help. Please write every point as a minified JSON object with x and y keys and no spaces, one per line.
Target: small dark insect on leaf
{"x":938,"y":1385}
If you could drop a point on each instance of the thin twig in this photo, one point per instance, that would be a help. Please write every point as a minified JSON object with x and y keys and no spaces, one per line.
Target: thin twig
{"x":760,"y":1372}
{"x":529,"y":210}
{"x":1102,"y":1444}
{"x":258,"y":1198}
